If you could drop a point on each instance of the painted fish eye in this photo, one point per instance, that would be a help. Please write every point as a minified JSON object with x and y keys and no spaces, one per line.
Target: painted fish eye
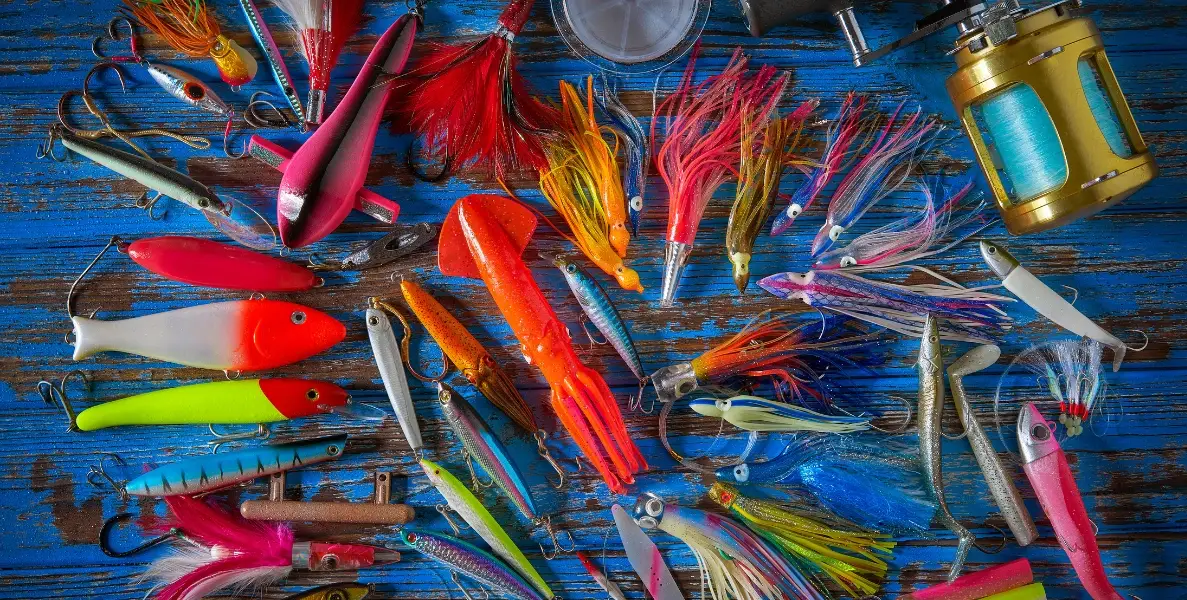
{"x":637,"y":202}
{"x":333,"y":450}
{"x":835,"y":233}
{"x":298,"y":317}
{"x":684,"y":387}
{"x":723,"y":405}
{"x":1040,"y":432}
{"x":411,"y":537}
{"x":742,"y":473}
{"x":933,"y":338}
{"x":654,"y":507}
{"x":571,"y":267}
{"x":336,"y":595}
{"x":312,"y":395}
{"x":794,"y":210}
{"x":373,"y":321}
{"x":329,"y":561}
{"x":848,"y":261}
{"x":993,"y":249}
{"x":194,"y":91}
{"x":619,"y":270}
{"x":203,"y":203}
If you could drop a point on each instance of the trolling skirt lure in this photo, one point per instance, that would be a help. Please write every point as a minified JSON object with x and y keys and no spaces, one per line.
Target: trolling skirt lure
{"x":751,"y":413}
{"x":323,"y":27}
{"x":636,"y":149}
{"x":702,"y":127}
{"x":1069,"y":373}
{"x":191,"y":28}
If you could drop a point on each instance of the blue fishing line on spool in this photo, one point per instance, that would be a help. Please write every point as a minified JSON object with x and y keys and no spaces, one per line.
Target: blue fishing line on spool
{"x":1103,"y":110}
{"x":1027,"y":143}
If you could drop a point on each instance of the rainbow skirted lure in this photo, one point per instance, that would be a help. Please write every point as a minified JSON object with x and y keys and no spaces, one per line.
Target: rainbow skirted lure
{"x":229,"y":552}
{"x":635,"y":147}
{"x":852,"y":558}
{"x":1069,"y":373}
{"x":323,"y":27}
{"x":765,"y":152}
{"x":900,"y":145}
{"x":191,"y":28}
{"x":845,"y":128}
{"x":751,"y":413}
{"x":966,"y":314}
{"x":702,"y":128}
{"x":583,"y":185}
{"x":734,"y":562}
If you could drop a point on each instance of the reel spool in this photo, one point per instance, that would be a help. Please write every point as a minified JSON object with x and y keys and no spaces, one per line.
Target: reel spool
{"x":1036,"y":95}
{"x":630,"y":36}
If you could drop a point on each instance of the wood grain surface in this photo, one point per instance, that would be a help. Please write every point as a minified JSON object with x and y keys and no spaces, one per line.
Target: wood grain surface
{"x":1127,"y":265}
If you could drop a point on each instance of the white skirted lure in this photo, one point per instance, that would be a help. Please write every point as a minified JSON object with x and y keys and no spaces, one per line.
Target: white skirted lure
{"x":1046,"y":301}
{"x":391,"y":369}
{"x":645,"y":558}
{"x":759,"y":414}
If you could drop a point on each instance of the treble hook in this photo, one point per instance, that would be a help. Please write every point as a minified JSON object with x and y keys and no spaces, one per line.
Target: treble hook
{"x":636,"y":402}
{"x":109,"y":524}
{"x":465,"y":592}
{"x":46,"y":148}
{"x":115,"y":240}
{"x":474,"y":479}
{"x":113,"y":35}
{"x":546,"y":523}
{"x":444,"y":510}
{"x":261,"y":432}
{"x":55,"y":394}
{"x":100,"y":470}
{"x":588,"y":335}
{"x":542,"y":450}
{"x":406,"y":344}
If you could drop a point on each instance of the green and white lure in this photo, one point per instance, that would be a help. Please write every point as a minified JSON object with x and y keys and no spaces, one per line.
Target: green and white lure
{"x":752,"y":413}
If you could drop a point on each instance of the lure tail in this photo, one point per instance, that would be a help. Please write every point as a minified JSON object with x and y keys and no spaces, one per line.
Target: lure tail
{"x":324,"y":26}
{"x":588,"y":410}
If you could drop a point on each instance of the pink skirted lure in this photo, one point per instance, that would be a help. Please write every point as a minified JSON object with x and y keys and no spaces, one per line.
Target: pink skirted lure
{"x":986,"y":582}
{"x":211,"y":264}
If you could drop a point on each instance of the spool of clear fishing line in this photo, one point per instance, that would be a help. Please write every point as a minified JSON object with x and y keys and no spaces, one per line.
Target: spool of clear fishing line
{"x":630,"y":36}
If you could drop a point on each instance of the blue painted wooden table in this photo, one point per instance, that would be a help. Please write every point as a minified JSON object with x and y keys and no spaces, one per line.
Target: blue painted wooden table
{"x":1127,"y":264}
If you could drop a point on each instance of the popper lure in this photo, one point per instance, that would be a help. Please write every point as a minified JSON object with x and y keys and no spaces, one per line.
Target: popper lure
{"x":765,"y":152}
{"x":471,"y":561}
{"x":325,"y":174}
{"x":391,"y":370}
{"x":734,"y":562}
{"x":583,"y":185}
{"x":191,"y":28}
{"x":635,"y":147}
{"x":1053,"y":483}
{"x":600,"y":310}
{"x":323,"y":26}
{"x":969,"y":315}
{"x":1045,"y":301}
{"x":1068,"y":372}
{"x":702,"y":126}
{"x":203,"y":474}
{"x":851,"y":558}
{"x":474,"y":242}
{"x":752,"y":413}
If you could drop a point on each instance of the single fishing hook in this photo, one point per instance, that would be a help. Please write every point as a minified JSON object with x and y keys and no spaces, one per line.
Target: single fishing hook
{"x":115,"y":239}
{"x":227,"y":139}
{"x":901,"y":428}
{"x":55,"y":394}
{"x":113,"y":35}
{"x":1075,"y":294}
{"x":542,"y":450}
{"x":261,"y":432}
{"x":406,"y":344}
{"x":252,"y":117}
{"x":1001,"y":545}
{"x":446,"y":168}
{"x":100,"y":470}
{"x":588,"y":335}
{"x":1145,"y":345}
{"x":557,"y":548}
{"x":109,"y":524}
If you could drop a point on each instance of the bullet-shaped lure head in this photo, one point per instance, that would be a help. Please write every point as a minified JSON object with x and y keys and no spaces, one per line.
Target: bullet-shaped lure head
{"x":734,"y":474}
{"x":929,"y":344}
{"x":648,"y":511}
{"x":674,"y":381}
{"x":675,"y":259}
{"x":741,"y":265}
{"x":1036,"y":438}
{"x":323,"y":556}
{"x":999,"y":260}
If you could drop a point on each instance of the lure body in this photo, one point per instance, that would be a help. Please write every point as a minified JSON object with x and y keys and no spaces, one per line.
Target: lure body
{"x":973,"y":586}
{"x":334,"y":591}
{"x":218,"y":402}
{"x":759,"y":414}
{"x":323,"y":177}
{"x":485,"y":449}
{"x":637,"y":150}
{"x":645,"y":558}
{"x":1045,"y":301}
{"x":580,"y":397}
{"x":216,"y":471}
{"x":211,"y":264}
{"x":931,"y":416}
{"x":601,"y":312}
{"x":472,"y":562}
{"x":1055,"y":487}
{"x":477,"y":517}
{"x":241,"y":335}
{"x":187,"y":88}
{"x":280,"y":71}
{"x":391,"y":370}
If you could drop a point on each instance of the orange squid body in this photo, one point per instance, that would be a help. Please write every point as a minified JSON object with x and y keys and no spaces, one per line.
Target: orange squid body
{"x":580,"y":396}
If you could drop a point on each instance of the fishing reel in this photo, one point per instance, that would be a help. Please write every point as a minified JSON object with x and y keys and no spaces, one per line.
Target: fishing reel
{"x":1036,"y":95}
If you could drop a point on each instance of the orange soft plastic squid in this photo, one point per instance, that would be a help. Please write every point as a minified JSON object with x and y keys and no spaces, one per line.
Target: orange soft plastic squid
{"x":474,"y":243}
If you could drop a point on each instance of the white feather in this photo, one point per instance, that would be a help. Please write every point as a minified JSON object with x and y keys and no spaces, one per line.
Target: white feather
{"x":306,"y":14}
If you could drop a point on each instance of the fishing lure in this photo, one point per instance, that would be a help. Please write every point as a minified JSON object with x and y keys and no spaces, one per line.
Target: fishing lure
{"x":1055,"y":487}
{"x":752,"y":413}
{"x":469,"y":560}
{"x":472,"y":105}
{"x":401,"y":242}
{"x":765,"y":152}
{"x":1069,"y":372}
{"x":600,"y":577}
{"x":596,"y":305}
{"x":477,"y":517}
{"x":324,"y":26}
{"x":1045,"y":301}
{"x":885,"y":166}
{"x":969,"y":315}
{"x":335,"y":591}
{"x":851,"y":558}
{"x":190,"y":28}
{"x":931,"y":415}
{"x":981,"y":584}
{"x":202,"y":474}
{"x":702,"y":144}
{"x":645,"y":558}
{"x":267,"y":45}
{"x":391,"y":370}
{"x":583,"y":185}
{"x":230,"y":552}
{"x":236,"y":220}
{"x":325,"y":174}
{"x":474,"y":242}
{"x":1033,"y":591}
{"x":1000,"y":482}
{"x":844,"y":130}
{"x":870,"y":485}
{"x":240,"y":335}
{"x":636,"y":149}
{"x":734,"y":562}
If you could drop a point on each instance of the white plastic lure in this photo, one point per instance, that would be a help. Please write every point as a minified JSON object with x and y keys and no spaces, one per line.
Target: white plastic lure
{"x":1046,"y":301}
{"x":759,"y":414}
{"x":645,"y":558}
{"x":391,"y":369}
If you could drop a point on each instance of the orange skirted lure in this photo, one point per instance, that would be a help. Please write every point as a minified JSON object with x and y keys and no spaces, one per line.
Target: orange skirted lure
{"x":191,"y":28}
{"x":582,"y":183}
{"x":474,"y":242}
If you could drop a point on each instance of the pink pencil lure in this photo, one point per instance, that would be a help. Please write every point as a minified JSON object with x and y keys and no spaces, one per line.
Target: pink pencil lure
{"x":210,"y":264}
{"x":1052,"y":480}
{"x":326,"y":173}
{"x":986,"y":582}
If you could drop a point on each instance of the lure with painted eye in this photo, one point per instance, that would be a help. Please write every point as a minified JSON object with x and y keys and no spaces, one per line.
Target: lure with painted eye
{"x":391,"y":370}
{"x":211,"y":264}
{"x":241,"y":335}
{"x":187,"y":88}
{"x":759,"y":414}
{"x":216,"y":471}
{"x":601,"y":312}
{"x":469,"y":560}
{"x":219,"y":402}
{"x":638,"y":152}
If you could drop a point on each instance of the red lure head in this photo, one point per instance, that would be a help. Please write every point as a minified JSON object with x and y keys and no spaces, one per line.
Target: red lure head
{"x":303,"y":397}
{"x":323,"y":556}
{"x":279,"y":333}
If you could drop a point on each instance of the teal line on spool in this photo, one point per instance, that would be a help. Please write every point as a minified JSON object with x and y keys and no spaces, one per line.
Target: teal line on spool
{"x":1103,"y":110}
{"x":1021,"y":131}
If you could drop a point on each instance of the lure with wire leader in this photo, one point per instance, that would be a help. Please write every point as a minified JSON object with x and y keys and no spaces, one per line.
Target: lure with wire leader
{"x":267,"y":45}
{"x":208,"y":263}
{"x":636,"y":148}
{"x":469,"y":560}
{"x":191,"y":28}
{"x":599,"y":577}
{"x":1069,"y":373}
{"x":645,"y":557}
{"x":752,"y":413}
{"x":323,"y":27}
{"x":600,"y":310}
{"x":391,"y":369}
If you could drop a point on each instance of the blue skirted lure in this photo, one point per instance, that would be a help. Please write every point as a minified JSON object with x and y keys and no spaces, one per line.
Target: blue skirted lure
{"x":870,"y":485}
{"x":471,"y":561}
{"x":634,"y":139}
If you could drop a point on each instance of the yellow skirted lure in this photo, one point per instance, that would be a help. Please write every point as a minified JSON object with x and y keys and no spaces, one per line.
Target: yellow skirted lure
{"x":766,"y":151}
{"x":190,"y":28}
{"x":583,"y":184}
{"x":849,"y":556}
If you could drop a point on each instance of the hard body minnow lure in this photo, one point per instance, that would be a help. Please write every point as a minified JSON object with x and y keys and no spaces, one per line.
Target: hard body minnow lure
{"x":596,"y":305}
{"x":187,"y":88}
{"x":645,"y":558}
{"x":759,"y":414}
{"x":1045,"y":301}
{"x":240,"y":335}
{"x":1069,"y":372}
{"x":391,"y":369}
{"x":208,"y":473}
{"x":469,"y":560}
{"x":210,"y":264}
{"x":636,"y":149}
{"x":267,"y":45}
{"x":1053,"y":483}
{"x":477,"y":517}
{"x":931,"y":415}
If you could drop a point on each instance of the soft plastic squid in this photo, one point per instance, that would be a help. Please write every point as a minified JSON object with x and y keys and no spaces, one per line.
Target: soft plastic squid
{"x":474,"y":242}
{"x":759,"y":414}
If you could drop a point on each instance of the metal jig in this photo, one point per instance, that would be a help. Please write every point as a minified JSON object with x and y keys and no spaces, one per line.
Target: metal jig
{"x":55,"y":394}
{"x":401,"y":242}
{"x":261,"y":432}
{"x":406,"y":343}
{"x":109,"y":524}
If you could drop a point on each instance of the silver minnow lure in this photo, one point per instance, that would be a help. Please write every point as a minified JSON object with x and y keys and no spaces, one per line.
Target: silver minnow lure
{"x":931,"y":411}
{"x":469,"y":560}
{"x":187,"y":88}
{"x":391,"y":369}
{"x":601,"y":312}
{"x":280,"y":72}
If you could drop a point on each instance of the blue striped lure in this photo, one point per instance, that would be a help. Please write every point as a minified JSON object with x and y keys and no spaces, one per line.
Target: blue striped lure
{"x":601,"y":312}
{"x":207,"y":473}
{"x":471,"y":561}
{"x":638,"y":152}
{"x":759,"y":414}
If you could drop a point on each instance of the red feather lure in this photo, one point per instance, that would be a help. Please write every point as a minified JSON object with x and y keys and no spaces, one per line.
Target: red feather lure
{"x":324,"y":27}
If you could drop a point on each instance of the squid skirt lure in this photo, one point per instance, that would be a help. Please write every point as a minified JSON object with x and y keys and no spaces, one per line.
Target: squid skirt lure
{"x":759,"y":414}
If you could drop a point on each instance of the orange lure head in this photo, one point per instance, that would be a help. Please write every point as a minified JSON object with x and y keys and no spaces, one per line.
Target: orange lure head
{"x":278,"y":333}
